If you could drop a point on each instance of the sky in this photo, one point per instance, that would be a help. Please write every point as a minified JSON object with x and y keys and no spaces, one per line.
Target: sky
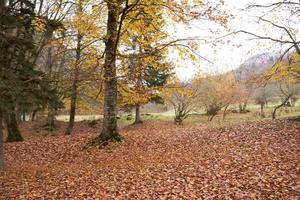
{"x":229,"y":52}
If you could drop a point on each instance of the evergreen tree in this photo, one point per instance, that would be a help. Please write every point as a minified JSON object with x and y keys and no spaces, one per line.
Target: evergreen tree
{"x":20,"y":84}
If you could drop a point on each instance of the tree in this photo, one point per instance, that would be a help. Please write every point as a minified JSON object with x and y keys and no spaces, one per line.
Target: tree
{"x":144,"y":71}
{"x":84,"y":42}
{"x":287,"y":90}
{"x":114,"y":8}
{"x":118,"y":12}
{"x":182,"y":96}
{"x":20,"y":83}
{"x":217,"y":92}
{"x":76,"y":73}
{"x":261,"y":98}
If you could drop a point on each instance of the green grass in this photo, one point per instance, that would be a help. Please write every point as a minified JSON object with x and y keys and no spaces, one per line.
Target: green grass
{"x":199,"y":118}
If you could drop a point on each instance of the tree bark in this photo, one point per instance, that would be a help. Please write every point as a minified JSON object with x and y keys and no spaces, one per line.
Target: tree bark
{"x":138,"y":118}
{"x":109,"y":131}
{"x":13,"y":133}
{"x":178,"y":120}
{"x":2,"y":164}
{"x":240,"y":107}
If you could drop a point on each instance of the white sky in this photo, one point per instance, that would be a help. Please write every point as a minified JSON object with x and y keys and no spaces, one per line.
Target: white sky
{"x":229,"y":53}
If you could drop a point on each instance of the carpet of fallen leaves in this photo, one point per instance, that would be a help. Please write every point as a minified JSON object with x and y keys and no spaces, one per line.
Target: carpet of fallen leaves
{"x":158,"y":160}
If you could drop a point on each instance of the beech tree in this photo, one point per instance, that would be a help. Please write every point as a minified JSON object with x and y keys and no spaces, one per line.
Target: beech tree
{"x":118,"y":12}
{"x":84,"y":42}
{"x":145,"y":71}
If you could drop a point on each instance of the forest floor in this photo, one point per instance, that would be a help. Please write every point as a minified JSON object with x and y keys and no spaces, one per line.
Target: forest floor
{"x":157,"y":160}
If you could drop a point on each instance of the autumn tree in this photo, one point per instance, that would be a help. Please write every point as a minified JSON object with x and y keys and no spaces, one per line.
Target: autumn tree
{"x":182,"y":97}
{"x":217,"y":92}
{"x":118,"y":12}
{"x":145,"y":71}
{"x":86,"y":35}
{"x":288,"y":88}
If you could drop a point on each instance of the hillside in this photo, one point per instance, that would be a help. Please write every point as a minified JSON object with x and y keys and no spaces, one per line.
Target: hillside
{"x":255,"y":65}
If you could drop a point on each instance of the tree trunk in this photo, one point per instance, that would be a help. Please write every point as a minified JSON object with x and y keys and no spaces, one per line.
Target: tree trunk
{"x":13,"y":133}
{"x":2,"y":164}
{"x":262,"y":110}
{"x":138,"y":119}
{"x":244,"y":106}
{"x":279,"y":106}
{"x":18,"y":113}
{"x":225,"y":110}
{"x":73,"y":108}
{"x":24,"y":116}
{"x":33,"y":114}
{"x":210,"y":118}
{"x":75,"y":82}
{"x":109,"y":131}
{"x":178,"y":120}
{"x":50,"y":119}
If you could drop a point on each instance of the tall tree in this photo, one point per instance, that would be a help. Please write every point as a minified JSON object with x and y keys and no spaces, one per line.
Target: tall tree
{"x":144,"y":71}
{"x":20,"y":83}
{"x":76,"y":74}
{"x":85,"y":27}
{"x":114,"y":25}
{"x":118,"y":12}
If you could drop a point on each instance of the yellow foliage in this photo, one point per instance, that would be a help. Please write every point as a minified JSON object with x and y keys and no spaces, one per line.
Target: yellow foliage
{"x":288,"y":70}
{"x":39,"y":24}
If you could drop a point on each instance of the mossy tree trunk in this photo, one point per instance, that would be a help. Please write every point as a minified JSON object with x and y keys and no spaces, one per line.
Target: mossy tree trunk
{"x":109,"y":131}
